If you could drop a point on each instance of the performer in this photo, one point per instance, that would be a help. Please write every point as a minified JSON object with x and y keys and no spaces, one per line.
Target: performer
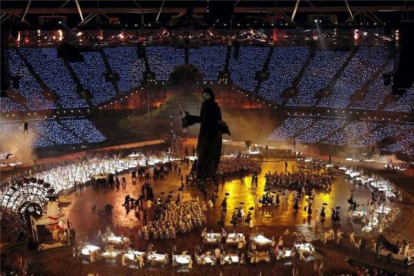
{"x":25,"y":127}
{"x":209,"y":139}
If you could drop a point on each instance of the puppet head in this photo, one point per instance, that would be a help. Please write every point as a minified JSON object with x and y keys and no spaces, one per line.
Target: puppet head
{"x":208,"y":94}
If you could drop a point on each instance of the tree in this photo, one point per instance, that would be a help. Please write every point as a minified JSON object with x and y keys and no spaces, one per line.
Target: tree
{"x":184,"y":75}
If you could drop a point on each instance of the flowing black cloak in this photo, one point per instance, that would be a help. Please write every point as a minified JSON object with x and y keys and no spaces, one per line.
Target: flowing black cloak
{"x":209,"y":139}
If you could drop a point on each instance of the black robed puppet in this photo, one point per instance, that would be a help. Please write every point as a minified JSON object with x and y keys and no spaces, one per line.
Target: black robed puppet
{"x":209,"y":138}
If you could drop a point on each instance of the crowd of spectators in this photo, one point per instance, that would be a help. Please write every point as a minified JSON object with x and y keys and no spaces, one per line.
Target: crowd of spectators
{"x":381,"y":133}
{"x":163,"y":59}
{"x":209,"y":59}
{"x":85,"y":129}
{"x":366,"y":62}
{"x":7,"y":105}
{"x":405,"y":143}
{"x":125,"y":62}
{"x":317,"y":76}
{"x":399,"y":147}
{"x":320,"y":130}
{"x":243,"y":68}
{"x":284,"y":66}
{"x":54,"y":132}
{"x":15,"y":131}
{"x":55,"y":75}
{"x":404,"y":103}
{"x":91,"y":74}
{"x":290,"y":128}
{"x":48,"y":133}
{"x":27,"y":86}
{"x":351,"y":133}
{"x":341,"y":132}
{"x":377,"y":92}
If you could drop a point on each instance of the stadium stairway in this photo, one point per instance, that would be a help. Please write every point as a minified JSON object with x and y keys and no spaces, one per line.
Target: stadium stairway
{"x":228,"y":56}
{"x":304,"y":130}
{"x":305,"y":65}
{"x":264,"y":70}
{"x":292,"y":92}
{"x":325,"y":93}
{"x":49,"y":93}
{"x":341,"y":129}
{"x":79,"y":86}
{"x":360,"y":95}
{"x":17,"y":97}
{"x":70,"y":131}
{"x":109,"y":70}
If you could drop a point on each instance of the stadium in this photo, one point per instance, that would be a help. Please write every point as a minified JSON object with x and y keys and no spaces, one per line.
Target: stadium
{"x":302,"y":163}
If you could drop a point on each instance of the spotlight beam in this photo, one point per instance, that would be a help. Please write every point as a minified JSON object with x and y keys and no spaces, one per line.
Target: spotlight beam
{"x":285,"y":16}
{"x":295,"y":10}
{"x":371,"y":17}
{"x":64,"y":4}
{"x":4,"y":17}
{"x":26,"y":10}
{"x":352,"y":17}
{"x":159,"y":13}
{"x":79,"y":9}
{"x":87,"y":19}
{"x":375,"y":16}
{"x":349,"y":10}
{"x":310,"y":3}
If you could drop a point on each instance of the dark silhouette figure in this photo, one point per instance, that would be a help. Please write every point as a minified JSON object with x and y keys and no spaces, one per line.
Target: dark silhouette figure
{"x":25,"y":127}
{"x":209,"y":139}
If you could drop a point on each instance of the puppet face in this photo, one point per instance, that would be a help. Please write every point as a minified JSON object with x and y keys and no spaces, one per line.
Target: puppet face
{"x":206,"y":96}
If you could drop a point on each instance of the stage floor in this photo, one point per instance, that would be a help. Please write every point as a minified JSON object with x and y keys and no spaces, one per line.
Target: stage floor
{"x":240,"y":190}
{"x":271,"y":221}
